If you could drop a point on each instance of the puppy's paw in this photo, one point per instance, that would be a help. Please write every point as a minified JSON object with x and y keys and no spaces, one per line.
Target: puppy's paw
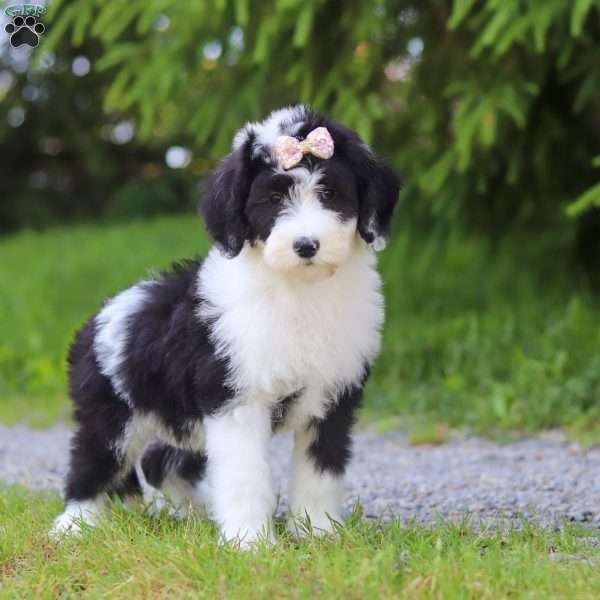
{"x":247,"y":537}
{"x":317,"y":524}
{"x":63,"y":525}
{"x":156,"y":504}
{"x":161,"y":504}
{"x":75,"y":515}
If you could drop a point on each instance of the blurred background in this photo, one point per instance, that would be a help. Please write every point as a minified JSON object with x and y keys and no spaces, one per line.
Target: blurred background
{"x":490,"y":109}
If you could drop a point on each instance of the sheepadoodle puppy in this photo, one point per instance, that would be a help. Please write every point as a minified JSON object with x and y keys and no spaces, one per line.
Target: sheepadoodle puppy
{"x":180,"y":381}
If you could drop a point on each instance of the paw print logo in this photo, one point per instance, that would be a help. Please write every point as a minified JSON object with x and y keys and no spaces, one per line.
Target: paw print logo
{"x":25,"y":31}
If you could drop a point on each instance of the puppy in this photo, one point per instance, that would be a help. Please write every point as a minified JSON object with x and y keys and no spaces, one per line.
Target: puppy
{"x":180,"y":381}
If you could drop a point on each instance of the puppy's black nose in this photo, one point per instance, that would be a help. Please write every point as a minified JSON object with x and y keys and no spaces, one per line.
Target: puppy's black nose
{"x":306,"y":247}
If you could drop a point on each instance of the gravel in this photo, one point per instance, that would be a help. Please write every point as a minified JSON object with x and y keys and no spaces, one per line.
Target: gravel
{"x":546,"y":479}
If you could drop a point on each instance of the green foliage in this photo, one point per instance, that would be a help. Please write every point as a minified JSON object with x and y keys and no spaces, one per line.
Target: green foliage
{"x":497,"y":121}
{"x":135,"y":556}
{"x":139,"y":198}
{"x":62,"y":163}
{"x":486,"y":338}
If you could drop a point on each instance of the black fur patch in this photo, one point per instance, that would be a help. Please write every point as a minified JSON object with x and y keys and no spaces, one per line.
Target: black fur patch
{"x":171,"y":366}
{"x":338,"y":187}
{"x":160,"y":460}
{"x":265,"y":203}
{"x":129,"y":486}
{"x":331,"y":448}
{"x":282,"y":408}
{"x":101,"y":418}
{"x":226,"y":195}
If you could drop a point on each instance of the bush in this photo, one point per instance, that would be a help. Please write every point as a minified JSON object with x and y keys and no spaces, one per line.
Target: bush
{"x":61,"y":161}
{"x":491,"y":107}
{"x":150,"y":197}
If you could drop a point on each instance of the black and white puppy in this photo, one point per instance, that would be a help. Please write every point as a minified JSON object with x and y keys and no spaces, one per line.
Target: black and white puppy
{"x":180,"y":380}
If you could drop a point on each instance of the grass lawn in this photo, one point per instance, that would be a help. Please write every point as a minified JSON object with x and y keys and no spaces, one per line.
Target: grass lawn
{"x":135,"y":556}
{"x":493,"y":339}
{"x":52,"y":282}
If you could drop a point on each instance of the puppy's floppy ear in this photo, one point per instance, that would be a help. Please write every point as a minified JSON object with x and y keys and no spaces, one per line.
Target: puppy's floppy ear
{"x":225,"y":199}
{"x":378,"y":187}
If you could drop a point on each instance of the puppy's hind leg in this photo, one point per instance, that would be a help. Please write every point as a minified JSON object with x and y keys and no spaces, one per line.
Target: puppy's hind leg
{"x":97,"y":466}
{"x":173,"y":479}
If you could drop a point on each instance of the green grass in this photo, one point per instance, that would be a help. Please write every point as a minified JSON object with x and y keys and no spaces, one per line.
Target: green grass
{"x":132,"y":555}
{"x":52,"y":282}
{"x":493,"y":339}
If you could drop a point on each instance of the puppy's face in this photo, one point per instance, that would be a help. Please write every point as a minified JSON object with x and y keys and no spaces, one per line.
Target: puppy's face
{"x":306,"y":220}
{"x":303,"y":221}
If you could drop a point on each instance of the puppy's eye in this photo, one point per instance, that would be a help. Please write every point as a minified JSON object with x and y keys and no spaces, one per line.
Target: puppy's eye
{"x":328,"y":194}
{"x":275,"y":198}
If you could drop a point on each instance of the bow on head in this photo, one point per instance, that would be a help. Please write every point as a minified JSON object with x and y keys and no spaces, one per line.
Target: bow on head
{"x":288,"y":151}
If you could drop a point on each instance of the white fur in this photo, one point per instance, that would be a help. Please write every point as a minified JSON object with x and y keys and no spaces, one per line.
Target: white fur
{"x":285,"y":334}
{"x":144,"y":429}
{"x":76,"y":514}
{"x":285,"y":121}
{"x":378,"y":244}
{"x":111,"y":333}
{"x":241,"y":497}
{"x":282,"y":334}
{"x":285,"y":325}
{"x":314,"y":496}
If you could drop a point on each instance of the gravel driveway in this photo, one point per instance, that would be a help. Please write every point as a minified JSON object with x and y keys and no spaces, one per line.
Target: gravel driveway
{"x":548,"y":478}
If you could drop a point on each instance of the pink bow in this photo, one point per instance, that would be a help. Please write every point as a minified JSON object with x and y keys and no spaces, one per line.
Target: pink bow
{"x":289,"y":151}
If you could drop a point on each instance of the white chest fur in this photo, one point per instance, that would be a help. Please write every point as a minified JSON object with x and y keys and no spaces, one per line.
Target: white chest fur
{"x":281,"y":336}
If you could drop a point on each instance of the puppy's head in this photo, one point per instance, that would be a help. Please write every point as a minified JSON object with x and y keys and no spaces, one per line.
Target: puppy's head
{"x":307,"y":219}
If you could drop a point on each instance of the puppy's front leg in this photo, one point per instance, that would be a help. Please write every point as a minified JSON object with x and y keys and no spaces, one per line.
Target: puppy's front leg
{"x":239,"y":476}
{"x":321,"y":454}
{"x":315,"y":490}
